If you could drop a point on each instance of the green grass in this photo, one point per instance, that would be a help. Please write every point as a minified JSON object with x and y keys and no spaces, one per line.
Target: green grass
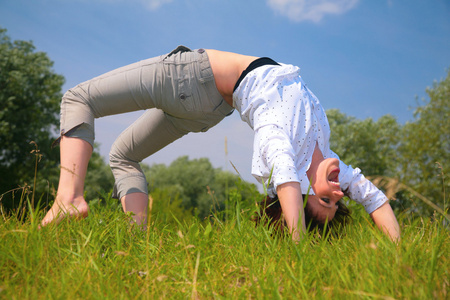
{"x":104,"y":257}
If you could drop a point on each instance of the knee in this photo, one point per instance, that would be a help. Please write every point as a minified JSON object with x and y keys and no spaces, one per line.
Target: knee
{"x":121,"y":164}
{"x":74,"y":95}
{"x":77,"y":118}
{"x":116,"y":157}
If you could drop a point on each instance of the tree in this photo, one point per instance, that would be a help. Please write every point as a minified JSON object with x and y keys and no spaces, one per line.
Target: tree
{"x":410,"y":161}
{"x":30,"y":93}
{"x":366,"y":144}
{"x":425,"y":149}
{"x":195,"y":186}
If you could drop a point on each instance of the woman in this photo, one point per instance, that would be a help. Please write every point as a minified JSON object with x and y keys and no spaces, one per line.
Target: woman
{"x":191,"y":91}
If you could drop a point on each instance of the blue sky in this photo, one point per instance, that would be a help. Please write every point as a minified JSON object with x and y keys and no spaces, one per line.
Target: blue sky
{"x":366,"y":58}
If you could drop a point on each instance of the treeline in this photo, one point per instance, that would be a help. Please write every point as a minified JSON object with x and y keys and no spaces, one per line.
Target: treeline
{"x":408,"y":161}
{"x":196,"y":187}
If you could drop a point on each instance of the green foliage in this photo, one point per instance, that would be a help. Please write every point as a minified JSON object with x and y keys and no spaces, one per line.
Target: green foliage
{"x":30,"y":93}
{"x":425,"y":148}
{"x":167,"y":206}
{"x":200,"y":188}
{"x":416,"y":154}
{"x":369,"y":145}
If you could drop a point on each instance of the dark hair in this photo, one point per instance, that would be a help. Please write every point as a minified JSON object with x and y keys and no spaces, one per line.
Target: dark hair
{"x":271,"y":214}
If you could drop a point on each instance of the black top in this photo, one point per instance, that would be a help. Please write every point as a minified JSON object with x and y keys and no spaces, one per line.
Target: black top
{"x":255,"y":64}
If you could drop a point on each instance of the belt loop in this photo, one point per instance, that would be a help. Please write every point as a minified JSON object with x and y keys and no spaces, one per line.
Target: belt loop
{"x":181,"y":49}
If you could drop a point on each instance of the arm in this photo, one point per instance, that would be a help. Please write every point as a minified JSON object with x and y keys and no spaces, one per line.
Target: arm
{"x":274,"y":162}
{"x":290,"y":197}
{"x":375,"y":202}
{"x":385,"y":219}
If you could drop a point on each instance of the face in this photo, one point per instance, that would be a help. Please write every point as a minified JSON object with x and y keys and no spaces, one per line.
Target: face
{"x":320,"y":210}
{"x":324,"y":177}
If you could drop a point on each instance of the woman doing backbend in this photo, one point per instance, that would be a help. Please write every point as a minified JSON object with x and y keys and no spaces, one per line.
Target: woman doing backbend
{"x":191,"y":91}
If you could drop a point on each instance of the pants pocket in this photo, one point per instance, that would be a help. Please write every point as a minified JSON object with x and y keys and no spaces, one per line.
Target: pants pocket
{"x":185,"y":94}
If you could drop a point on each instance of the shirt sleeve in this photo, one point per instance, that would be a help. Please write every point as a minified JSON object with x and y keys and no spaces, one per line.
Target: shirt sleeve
{"x":274,"y":157}
{"x":359,"y":188}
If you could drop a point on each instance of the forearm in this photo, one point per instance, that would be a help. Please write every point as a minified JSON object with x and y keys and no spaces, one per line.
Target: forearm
{"x":385,"y":219}
{"x":360,"y":189}
{"x":290,"y":197}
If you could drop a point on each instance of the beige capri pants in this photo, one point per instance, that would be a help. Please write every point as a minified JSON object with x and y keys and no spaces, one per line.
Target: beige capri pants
{"x":178,"y":92}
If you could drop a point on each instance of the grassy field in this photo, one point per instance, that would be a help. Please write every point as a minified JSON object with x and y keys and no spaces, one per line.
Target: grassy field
{"x":104,"y":257}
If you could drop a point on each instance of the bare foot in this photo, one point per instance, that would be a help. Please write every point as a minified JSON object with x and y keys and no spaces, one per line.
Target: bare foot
{"x":76,"y":209}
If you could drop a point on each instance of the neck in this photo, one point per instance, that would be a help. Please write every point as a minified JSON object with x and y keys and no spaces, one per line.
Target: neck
{"x":316,"y":159}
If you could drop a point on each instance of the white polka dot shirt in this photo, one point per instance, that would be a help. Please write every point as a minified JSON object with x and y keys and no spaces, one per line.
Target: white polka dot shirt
{"x":288,"y":121}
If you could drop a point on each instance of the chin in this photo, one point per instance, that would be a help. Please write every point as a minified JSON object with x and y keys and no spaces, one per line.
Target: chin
{"x":331,"y":216}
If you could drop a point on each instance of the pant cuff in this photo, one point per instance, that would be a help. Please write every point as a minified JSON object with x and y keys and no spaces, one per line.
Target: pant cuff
{"x":130,"y":183}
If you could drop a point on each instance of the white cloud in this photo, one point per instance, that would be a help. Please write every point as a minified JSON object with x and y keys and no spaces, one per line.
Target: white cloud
{"x":311,"y":10}
{"x":148,"y":4}
{"x":154,"y":4}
